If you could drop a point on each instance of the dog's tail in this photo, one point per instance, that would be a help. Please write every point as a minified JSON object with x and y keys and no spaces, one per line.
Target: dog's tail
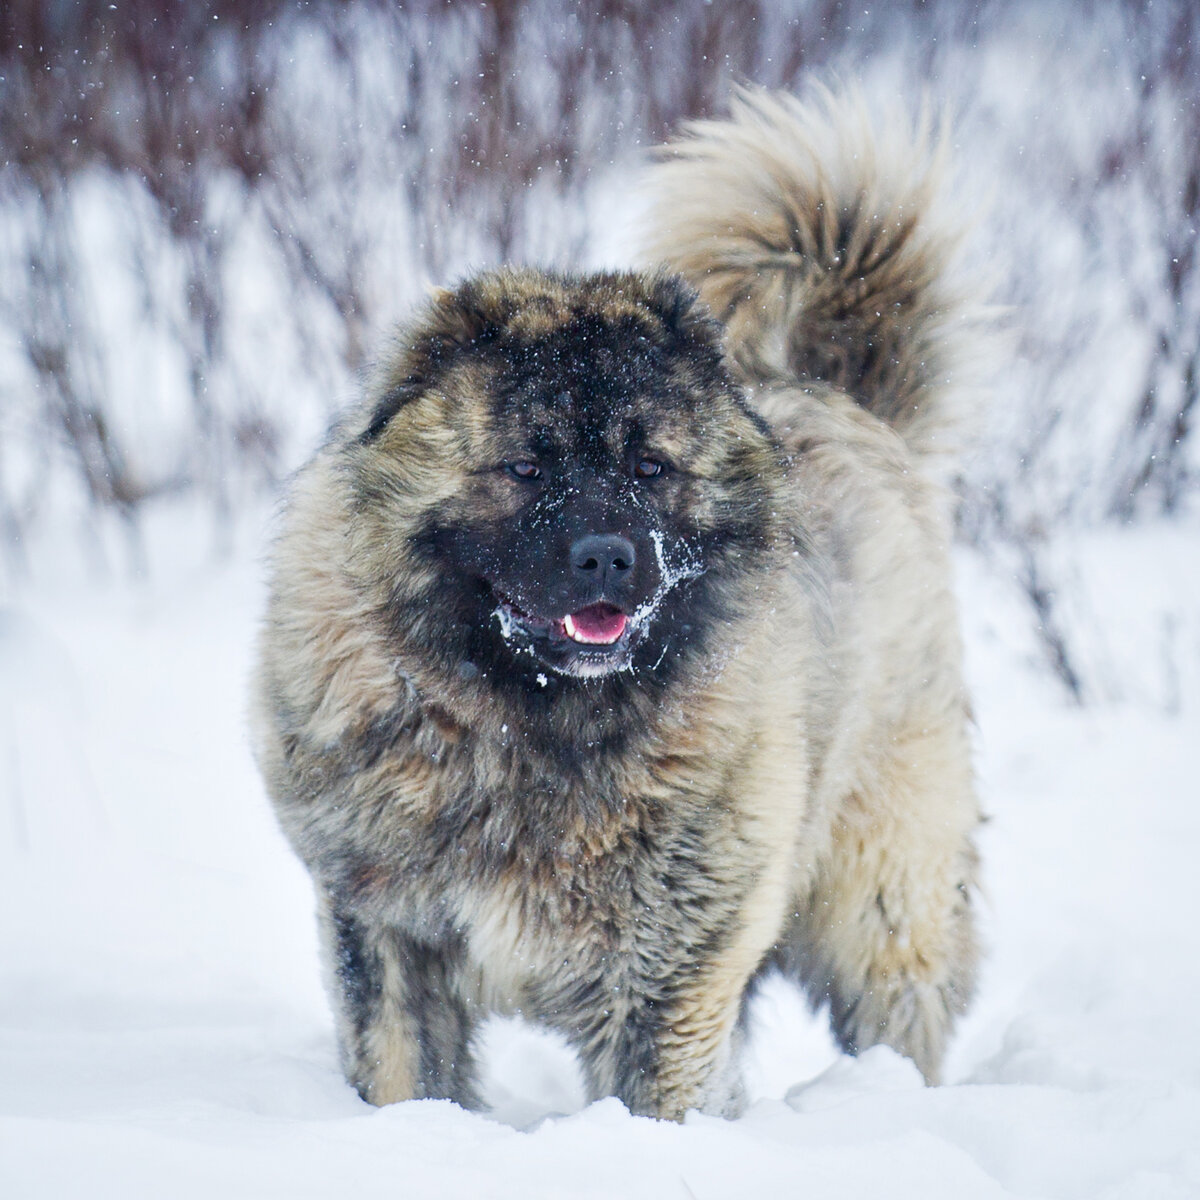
{"x":814,"y":240}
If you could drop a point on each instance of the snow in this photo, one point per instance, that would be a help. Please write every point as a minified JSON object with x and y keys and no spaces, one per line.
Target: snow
{"x":163,"y":1029}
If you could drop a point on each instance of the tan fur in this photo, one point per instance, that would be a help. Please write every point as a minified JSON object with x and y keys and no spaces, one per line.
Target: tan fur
{"x":620,"y":855}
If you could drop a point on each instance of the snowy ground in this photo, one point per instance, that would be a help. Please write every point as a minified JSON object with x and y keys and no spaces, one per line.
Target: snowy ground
{"x":163,"y":1031}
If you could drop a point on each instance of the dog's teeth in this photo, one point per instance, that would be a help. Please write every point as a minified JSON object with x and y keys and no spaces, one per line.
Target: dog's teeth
{"x":571,"y":628}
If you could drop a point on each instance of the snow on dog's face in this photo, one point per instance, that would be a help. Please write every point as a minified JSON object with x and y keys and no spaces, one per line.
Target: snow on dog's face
{"x":561,"y":475}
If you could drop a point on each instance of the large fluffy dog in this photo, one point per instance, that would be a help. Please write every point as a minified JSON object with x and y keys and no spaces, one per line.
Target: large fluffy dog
{"x":611,"y":656}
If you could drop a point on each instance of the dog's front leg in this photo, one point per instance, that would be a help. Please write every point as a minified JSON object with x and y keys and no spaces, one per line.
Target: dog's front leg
{"x":405,"y":1028}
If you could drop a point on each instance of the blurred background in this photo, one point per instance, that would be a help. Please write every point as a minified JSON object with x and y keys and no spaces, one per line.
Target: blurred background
{"x":211,"y":214}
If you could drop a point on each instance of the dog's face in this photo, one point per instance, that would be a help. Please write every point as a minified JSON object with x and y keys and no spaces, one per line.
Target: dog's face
{"x":564,"y":468}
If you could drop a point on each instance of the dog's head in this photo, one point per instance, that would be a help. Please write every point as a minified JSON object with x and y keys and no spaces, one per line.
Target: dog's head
{"x":557,"y":472}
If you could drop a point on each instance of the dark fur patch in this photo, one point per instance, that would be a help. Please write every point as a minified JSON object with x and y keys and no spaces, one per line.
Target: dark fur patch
{"x":358,"y":971}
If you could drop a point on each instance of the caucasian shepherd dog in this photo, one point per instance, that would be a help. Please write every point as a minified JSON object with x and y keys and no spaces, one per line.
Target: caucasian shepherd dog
{"x":611,"y":658}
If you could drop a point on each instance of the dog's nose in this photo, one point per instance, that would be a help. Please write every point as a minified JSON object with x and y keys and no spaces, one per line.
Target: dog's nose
{"x":602,"y":557}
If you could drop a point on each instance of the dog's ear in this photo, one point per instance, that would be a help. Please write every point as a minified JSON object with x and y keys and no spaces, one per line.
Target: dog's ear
{"x":461,"y":317}
{"x":683,"y":313}
{"x":452,"y":321}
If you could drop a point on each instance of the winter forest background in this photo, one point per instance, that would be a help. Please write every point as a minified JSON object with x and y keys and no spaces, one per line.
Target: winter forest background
{"x":210,"y":216}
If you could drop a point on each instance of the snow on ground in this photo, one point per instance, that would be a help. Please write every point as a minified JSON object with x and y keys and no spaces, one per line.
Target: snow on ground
{"x":163,"y":1030}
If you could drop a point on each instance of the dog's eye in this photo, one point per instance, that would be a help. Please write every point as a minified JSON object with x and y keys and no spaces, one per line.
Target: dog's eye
{"x":648,"y":468}
{"x":524,"y":470}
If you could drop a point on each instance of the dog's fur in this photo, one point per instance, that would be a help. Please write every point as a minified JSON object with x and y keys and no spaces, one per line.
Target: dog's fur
{"x":769,"y":766}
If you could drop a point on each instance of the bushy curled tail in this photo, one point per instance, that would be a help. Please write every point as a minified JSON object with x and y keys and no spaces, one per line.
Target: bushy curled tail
{"x":814,"y":238}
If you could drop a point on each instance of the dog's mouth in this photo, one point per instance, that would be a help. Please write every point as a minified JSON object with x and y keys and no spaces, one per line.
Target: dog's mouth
{"x":593,"y":640}
{"x":599,"y":624}
{"x":596,"y":625}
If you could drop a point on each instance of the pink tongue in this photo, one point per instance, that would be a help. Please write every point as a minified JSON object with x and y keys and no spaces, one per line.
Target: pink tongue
{"x":597,"y":625}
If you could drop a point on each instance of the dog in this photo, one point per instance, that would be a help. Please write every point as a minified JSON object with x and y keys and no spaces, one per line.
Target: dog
{"x":611,"y":658}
